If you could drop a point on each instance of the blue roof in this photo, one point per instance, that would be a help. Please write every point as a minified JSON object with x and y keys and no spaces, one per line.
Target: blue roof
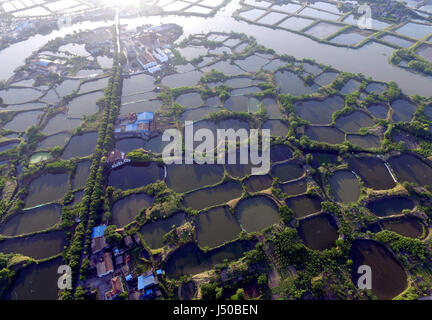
{"x":98,"y":231}
{"x":149,"y":292}
{"x":145,"y":116}
{"x":159,"y":272}
{"x":131,"y":127}
{"x":43,"y":63}
{"x":144,"y":282}
{"x":22,"y":25}
{"x":128,"y":277}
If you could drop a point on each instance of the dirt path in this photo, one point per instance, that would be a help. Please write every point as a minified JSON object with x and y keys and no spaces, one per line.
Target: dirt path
{"x":274,"y":277}
{"x":9,"y":189}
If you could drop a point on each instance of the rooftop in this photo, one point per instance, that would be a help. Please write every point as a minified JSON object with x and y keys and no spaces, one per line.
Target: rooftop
{"x":145,"y":281}
{"x":98,"y":231}
{"x":98,"y":244}
{"x":106,"y":266}
{"x":134,"y":122}
{"x":117,"y":288}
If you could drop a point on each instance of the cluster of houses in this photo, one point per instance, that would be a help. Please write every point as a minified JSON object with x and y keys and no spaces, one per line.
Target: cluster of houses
{"x":98,"y":42}
{"x":114,"y":262}
{"x":148,"y":48}
{"x":140,"y":124}
{"x":46,"y":64}
{"x":14,"y":31}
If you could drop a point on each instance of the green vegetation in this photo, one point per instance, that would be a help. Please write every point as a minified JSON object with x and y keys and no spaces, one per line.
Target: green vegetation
{"x":413,"y":61}
{"x":137,"y":156}
{"x":6,"y":274}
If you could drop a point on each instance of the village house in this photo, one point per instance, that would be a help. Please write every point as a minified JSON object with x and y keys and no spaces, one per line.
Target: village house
{"x":125,"y":266}
{"x":147,"y":284}
{"x":105,"y":265}
{"x":116,"y":158}
{"x":119,"y":261}
{"x":134,"y":124}
{"x":148,"y":48}
{"x":117,"y":289}
{"x":137,"y":238}
{"x":98,"y":242}
{"x":128,"y":241}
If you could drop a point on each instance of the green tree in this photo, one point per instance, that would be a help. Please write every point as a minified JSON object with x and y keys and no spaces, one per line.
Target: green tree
{"x":286,"y":214}
{"x":209,"y":291}
{"x":79,"y":293}
{"x":123,"y":295}
{"x":239,"y":295}
{"x":262,"y":280}
{"x":113,"y":238}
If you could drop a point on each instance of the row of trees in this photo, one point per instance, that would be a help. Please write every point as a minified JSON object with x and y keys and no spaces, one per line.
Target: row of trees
{"x":93,"y":199}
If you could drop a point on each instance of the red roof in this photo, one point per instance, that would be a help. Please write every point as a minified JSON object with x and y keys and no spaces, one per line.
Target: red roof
{"x":117,"y":288}
{"x":115,"y":155}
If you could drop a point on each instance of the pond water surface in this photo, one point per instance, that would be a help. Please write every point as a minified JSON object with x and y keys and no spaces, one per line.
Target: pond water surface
{"x":60,"y":123}
{"x":304,"y":205}
{"x":257,"y":213}
{"x":220,"y":194}
{"x":135,"y":175}
{"x":290,"y":83}
{"x":407,"y":227}
{"x":36,"y":282}
{"x":379,"y":111}
{"x":125,"y":210}
{"x":354,"y":121}
{"x":410,"y":168}
{"x":80,"y":146}
{"x":47,"y":188}
{"x":345,"y":186}
{"x":373,"y":172}
{"x":389,"y":277}
{"x":31,"y":220}
{"x":183,"y":178}
{"x":365,"y":141}
{"x":319,"y":232}
{"x":50,"y":142}
{"x":153,"y":232}
{"x":294,"y":188}
{"x":328,"y":135}
{"x":23,"y":120}
{"x":403,"y":110}
{"x":390,"y":206}
{"x":129,"y":144}
{"x":39,"y":246}
{"x":190,"y":260}
{"x":280,"y":152}
{"x":319,"y":111}
{"x":287,"y":171}
{"x":84,"y":105}
{"x":216,"y":226}
{"x":257,"y":183}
